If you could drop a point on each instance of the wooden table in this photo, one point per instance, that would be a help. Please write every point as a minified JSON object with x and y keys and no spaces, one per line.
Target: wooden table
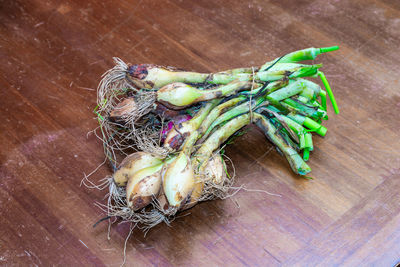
{"x":52,"y":54}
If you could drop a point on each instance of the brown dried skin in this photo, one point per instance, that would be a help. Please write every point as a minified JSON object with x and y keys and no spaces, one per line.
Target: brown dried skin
{"x":162,"y":201}
{"x":143,"y":186}
{"x":176,"y":141}
{"x":132,"y":164}
{"x":137,"y":75}
{"x":165,"y":112}
{"x":177,"y":135}
{"x":123,"y":110}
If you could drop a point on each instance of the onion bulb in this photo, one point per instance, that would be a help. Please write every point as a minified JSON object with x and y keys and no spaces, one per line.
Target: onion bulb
{"x":122,"y":111}
{"x":180,"y":95}
{"x":133,"y":163}
{"x":143,"y":186}
{"x":215,"y":170}
{"x":178,"y":180}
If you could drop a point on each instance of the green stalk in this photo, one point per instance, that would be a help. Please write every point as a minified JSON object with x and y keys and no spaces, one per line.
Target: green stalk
{"x":308,"y":93}
{"x":302,"y":99}
{"x":276,"y":96}
{"x":300,"y":55}
{"x":312,"y":85}
{"x":309,"y":142}
{"x":238,"y":71}
{"x":281,"y":121}
{"x":314,"y":103}
{"x":303,"y":109}
{"x":329,"y":90}
{"x":298,"y":130}
{"x":202,"y":114}
{"x":219,"y":137}
{"x":234,"y":112}
{"x":306,"y":154}
{"x":309,"y":123}
{"x":322,"y":94}
{"x":294,"y":72}
{"x":311,"y":103}
{"x":217,"y":111}
{"x":287,"y":91}
{"x":309,"y":147}
{"x":266,"y":89}
{"x":285,"y":132}
{"x":296,"y":162}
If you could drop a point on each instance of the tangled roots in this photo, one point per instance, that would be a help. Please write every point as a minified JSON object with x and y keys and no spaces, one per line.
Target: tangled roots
{"x":221,"y":189}
{"x":112,"y":85}
{"x":131,"y":132}
{"x":145,"y":218}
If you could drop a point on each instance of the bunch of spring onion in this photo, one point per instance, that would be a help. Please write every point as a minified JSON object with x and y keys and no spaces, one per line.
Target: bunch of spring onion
{"x":169,"y":125}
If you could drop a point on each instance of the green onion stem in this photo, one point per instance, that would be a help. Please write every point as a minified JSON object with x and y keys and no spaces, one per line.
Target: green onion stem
{"x":329,"y":90}
{"x":236,"y":111}
{"x":309,"y":142}
{"x":268,"y":88}
{"x":309,"y":123}
{"x":300,"y":55}
{"x":298,"y":107}
{"x":239,"y":70}
{"x":293,"y":71}
{"x":202,"y":114}
{"x":303,"y":99}
{"x":298,"y":129}
{"x":311,"y":85}
{"x":306,"y":154}
{"x":292,"y":129}
{"x":315,"y":126}
{"x":296,"y":162}
{"x":323,"y":99}
{"x":287,"y":91}
{"x":274,"y":97}
{"x":217,"y":111}
{"x":219,"y":137}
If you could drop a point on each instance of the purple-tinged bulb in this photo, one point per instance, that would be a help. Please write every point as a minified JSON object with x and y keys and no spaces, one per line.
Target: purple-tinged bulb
{"x":177,"y":120}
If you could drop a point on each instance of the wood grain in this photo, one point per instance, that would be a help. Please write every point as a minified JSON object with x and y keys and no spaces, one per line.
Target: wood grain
{"x":52,"y":54}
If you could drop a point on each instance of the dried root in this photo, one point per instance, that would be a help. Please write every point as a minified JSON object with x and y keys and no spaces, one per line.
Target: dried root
{"x":120,"y":106}
{"x":145,"y":219}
